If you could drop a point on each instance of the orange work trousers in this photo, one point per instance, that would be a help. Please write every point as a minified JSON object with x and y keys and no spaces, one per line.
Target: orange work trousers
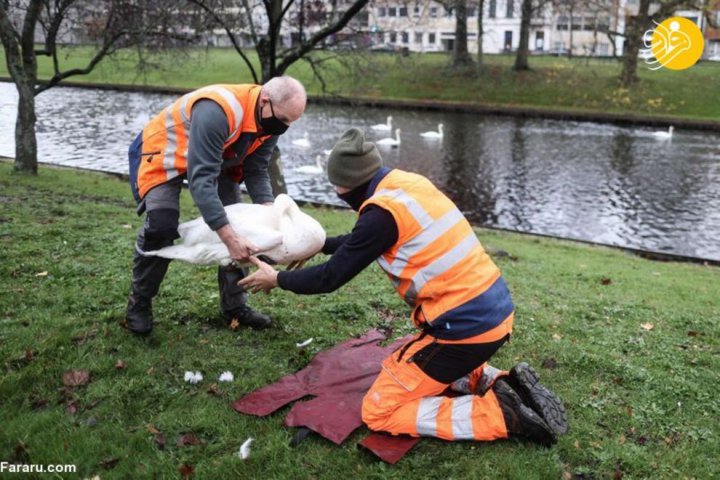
{"x":405,"y":400}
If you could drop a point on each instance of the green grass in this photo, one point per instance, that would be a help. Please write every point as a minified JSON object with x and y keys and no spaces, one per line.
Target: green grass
{"x":555,"y":83}
{"x":641,"y":403}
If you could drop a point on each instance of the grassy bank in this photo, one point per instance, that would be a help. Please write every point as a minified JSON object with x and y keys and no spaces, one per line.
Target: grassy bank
{"x":556,"y":83}
{"x":630,"y":345}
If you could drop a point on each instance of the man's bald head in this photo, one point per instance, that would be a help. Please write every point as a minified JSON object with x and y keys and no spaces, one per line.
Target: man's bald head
{"x":288,"y":97}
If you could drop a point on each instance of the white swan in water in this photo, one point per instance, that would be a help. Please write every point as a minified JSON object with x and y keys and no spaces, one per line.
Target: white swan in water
{"x":281,"y":231}
{"x":316,"y":169}
{"x":667,"y":134}
{"x":302,"y":142}
{"x":390,"y":142}
{"x":383,"y":127}
{"x":433,"y":134}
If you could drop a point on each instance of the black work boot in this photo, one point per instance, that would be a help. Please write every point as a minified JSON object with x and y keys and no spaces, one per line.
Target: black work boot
{"x":521,"y":421}
{"x":526,"y":382}
{"x":249,"y":317}
{"x":139,"y":315}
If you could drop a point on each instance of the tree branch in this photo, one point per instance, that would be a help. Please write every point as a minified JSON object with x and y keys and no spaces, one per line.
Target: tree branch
{"x":230,"y":34}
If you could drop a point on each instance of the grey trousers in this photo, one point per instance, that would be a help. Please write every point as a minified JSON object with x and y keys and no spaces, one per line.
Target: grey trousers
{"x":162,"y":213}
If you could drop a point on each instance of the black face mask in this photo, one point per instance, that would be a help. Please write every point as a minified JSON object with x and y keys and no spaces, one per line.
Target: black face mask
{"x":355,"y":197}
{"x":272,"y":125}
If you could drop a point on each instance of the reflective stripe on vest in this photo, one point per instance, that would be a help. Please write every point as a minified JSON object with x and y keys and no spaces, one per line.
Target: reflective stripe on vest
{"x":438,"y":266}
{"x":460,"y":425}
{"x":166,"y":135}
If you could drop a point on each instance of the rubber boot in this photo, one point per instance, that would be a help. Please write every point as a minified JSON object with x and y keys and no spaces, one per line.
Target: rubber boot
{"x":526,"y":382}
{"x":521,"y":421}
{"x":233,"y":299}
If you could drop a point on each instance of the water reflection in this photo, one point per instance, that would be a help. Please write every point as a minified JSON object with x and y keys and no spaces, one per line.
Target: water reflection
{"x":603,"y":183}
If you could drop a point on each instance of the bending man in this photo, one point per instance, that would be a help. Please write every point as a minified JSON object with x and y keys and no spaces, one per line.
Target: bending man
{"x":214,"y":137}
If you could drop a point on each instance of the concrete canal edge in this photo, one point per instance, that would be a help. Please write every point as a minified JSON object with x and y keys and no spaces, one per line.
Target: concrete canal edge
{"x":647,"y":254}
{"x":445,"y":106}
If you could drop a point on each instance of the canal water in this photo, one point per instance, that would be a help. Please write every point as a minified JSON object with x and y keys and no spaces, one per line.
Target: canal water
{"x":603,"y":183}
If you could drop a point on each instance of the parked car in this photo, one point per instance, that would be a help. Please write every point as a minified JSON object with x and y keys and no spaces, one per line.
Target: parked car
{"x":383,"y":47}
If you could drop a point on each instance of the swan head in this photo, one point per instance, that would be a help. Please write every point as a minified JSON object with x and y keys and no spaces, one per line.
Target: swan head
{"x":284,"y":205}
{"x":671,"y":130}
{"x":440,"y":128}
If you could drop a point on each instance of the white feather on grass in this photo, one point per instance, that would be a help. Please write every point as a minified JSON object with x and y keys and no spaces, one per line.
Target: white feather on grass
{"x":244,"y":451}
{"x":193,"y":377}
{"x":226,"y":376}
{"x":305,"y":343}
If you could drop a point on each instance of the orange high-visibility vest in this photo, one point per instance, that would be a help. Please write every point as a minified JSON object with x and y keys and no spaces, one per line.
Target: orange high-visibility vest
{"x":165,"y":138}
{"x":437,"y":264}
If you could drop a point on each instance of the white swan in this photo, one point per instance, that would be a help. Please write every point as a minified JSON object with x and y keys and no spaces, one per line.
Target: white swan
{"x":316,"y":169}
{"x":281,"y":231}
{"x":667,"y":134}
{"x":302,"y":142}
{"x":390,"y":142}
{"x":433,"y":134}
{"x":383,"y":127}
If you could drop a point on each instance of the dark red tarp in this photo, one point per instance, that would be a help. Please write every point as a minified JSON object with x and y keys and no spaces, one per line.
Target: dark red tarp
{"x":338,"y":379}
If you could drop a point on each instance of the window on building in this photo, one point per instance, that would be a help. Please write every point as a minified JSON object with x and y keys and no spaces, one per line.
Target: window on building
{"x":433,"y":12}
{"x":589,"y":24}
{"x":416,"y":12}
{"x":492,"y":9}
{"x":603,"y":49}
{"x":509,"y":8}
{"x":431,"y":38}
{"x":562,"y":22}
{"x":381,"y":12}
{"x":418,"y":37}
{"x":449,"y":12}
{"x":392,"y":12}
{"x":405,"y":37}
{"x":471,"y":12}
{"x":603,"y":24}
{"x":393,"y":37}
{"x":402,"y":11}
{"x":576,"y":23}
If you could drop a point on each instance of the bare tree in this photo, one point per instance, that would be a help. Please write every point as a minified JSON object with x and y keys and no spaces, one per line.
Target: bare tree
{"x":108,"y":24}
{"x":262,"y":25}
{"x":461,"y":57}
{"x":529,"y":8}
{"x":481,"y":32}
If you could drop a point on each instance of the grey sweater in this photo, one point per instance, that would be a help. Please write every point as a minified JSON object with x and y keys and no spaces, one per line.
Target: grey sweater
{"x":208,"y":132}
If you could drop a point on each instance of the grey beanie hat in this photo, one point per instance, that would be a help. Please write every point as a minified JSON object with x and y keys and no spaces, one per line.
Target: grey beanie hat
{"x":353,"y":161}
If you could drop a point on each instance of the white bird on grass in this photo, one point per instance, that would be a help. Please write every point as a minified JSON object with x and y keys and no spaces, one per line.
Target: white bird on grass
{"x":390,"y":142}
{"x":302,"y":142}
{"x":433,"y":135}
{"x":383,"y":127}
{"x":316,"y":169}
{"x":281,"y":232}
{"x":667,"y":134}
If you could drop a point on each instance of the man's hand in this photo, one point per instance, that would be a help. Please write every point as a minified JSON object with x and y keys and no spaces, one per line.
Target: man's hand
{"x":264,"y":279}
{"x":240,"y":248}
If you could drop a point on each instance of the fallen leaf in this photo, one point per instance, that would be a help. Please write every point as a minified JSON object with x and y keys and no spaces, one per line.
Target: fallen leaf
{"x":577,"y":445}
{"x":188,"y":439}
{"x":692,"y":333}
{"x":160,"y":441}
{"x":76,"y":378}
{"x":549,"y":363}
{"x":92,"y":404}
{"x":38,"y":403}
{"x":186,"y":470}
{"x":629,"y":411}
{"x":71,"y":408}
{"x":642,"y":440}
{"x":151,"y":428}
{"x":120,"y":365}
{"x":213,"y":390}
{"x":108,"y":463}
{"x":556,"y":336}
{"x":605,"y":281}
{"x":126,"y":225}
{"x":20,"y":453}
{"x":234,"y":324}
{"x":83,"y":337}
{"x":647,"y":326}
{"x":622,"y":439}
{"x":149,"y":371}
{"x":203,"y":341}
{"x":42,"y":274}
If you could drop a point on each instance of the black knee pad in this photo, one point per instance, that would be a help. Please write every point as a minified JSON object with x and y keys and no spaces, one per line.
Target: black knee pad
{"x":161,"y":227}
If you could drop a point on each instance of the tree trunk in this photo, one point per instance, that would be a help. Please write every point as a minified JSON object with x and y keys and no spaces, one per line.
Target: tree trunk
{"x":521,"y":59}
{"x":481,"y":32}
{"x":632,"y":44}
{"x":25,"y":140}
{"x":570,"y":30}
{"x":461,"y":56}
